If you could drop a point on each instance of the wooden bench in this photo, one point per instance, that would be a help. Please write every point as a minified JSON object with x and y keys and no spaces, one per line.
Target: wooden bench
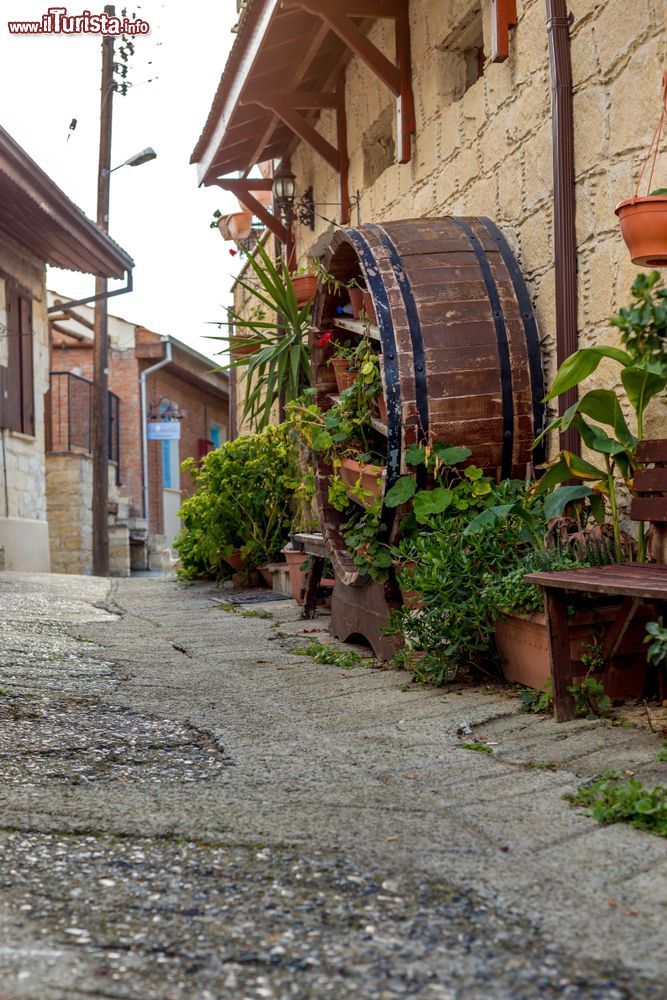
{"x":635,"y":582}
{"x":312,"y":545}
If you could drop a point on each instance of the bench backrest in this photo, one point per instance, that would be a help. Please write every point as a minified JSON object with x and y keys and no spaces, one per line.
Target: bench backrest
{"x":649,"y":502}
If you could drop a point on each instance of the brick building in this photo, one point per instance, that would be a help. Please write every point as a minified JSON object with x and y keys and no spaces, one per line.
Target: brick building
{"x":185,"y":402}
{"x":39,"y":225}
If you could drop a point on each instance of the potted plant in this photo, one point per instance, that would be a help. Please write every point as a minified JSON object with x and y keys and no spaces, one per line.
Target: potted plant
{"x":643,"y":219}
{"x":279,"y":366}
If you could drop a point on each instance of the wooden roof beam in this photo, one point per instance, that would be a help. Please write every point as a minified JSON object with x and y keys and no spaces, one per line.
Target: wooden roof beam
{"x":281,"y":105}
{"x":395,"y":76}
{"x":503,"y":17}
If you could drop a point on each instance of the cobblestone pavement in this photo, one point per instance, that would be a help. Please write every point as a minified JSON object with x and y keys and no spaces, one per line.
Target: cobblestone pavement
{"x":189,"y":810}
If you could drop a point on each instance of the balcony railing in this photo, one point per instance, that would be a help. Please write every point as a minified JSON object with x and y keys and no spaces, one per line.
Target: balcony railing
{"x":69,"y":417}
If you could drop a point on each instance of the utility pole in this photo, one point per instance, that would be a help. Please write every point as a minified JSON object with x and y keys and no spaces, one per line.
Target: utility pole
{"x":100,"y":344}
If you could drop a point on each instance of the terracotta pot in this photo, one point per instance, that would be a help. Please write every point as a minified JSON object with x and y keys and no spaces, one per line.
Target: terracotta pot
{"x":524,"y":648}
{"x":235,"y":227}
{"x":644,"y":229}
{"x":305,"y":286}
{"x":265,"y":198}
{"x":356,"y":301}
{"x":344,"y":377}
{"x":235,"y":560}
{"x":266,"y":575}
{"x":243,"y":349}
{"x":297,"y":578}
{"x":411,"y":598}
{"x":369,"y":306}
{"x":371,"y":476}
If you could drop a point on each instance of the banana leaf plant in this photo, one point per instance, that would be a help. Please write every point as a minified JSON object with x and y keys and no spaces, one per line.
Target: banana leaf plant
{"x":616,"y":447}
{"x":275,"y":356}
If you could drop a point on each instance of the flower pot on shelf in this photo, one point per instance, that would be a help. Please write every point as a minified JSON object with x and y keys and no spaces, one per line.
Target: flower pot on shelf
{"x":371,"y":478}
{"x":344,"y":377}
{"x":356,"y":301}
{"x":266,"y":575}
{"x":241,"y":349}
{"x":368,"y":306}
{"x":295,"y":560}
{"x":305,"y":286}
{"x":644,"y":228}
{"x":236,"y":226}
{"x":523,"y":645}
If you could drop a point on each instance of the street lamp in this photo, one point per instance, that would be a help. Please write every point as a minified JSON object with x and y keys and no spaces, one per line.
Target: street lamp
{"x":100,"y":500}
{"x":135,"y":161}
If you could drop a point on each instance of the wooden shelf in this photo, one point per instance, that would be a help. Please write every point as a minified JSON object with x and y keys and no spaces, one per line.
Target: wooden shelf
{"x":356,"y":326}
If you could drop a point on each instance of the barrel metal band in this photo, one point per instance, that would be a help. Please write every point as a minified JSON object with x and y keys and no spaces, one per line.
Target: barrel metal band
{"x":503,"y":346}
{"x":389,"y":353}
{"x":531,"y":331}
{"x":414,"y":326}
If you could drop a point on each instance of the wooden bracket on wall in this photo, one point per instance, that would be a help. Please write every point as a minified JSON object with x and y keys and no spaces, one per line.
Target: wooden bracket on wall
{"x":288,"y":106}
{"x":396,"y":76}
{"x":503,"y":17}
{"x":243,"y":188}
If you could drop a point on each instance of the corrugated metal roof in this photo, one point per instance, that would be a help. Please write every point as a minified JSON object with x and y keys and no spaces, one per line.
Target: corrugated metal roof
{"x":39,"y":216}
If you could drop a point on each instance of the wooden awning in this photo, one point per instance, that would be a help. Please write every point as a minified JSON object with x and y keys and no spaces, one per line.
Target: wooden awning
{"x":38,"y":215}
{"x":285,"y":66}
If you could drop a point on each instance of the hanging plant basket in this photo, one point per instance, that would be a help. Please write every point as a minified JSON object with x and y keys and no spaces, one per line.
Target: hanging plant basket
{"x":236,"y":226}
{"x":305,"y":286}
{"x":643,"y":218}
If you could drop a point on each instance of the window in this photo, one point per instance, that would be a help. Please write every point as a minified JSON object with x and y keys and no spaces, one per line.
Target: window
{"x":17,"y":392}
{"x":464,"y":59}
{"x":170,"y":466}
{"x":378,"y":146}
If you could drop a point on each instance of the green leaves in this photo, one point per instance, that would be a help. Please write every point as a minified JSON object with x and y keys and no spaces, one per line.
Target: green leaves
{"x":426,"y":503}
{"x":641,"y":386}
{"x":402,"y":491}
{"x":556,"y":502}
{"x":581,"y":364}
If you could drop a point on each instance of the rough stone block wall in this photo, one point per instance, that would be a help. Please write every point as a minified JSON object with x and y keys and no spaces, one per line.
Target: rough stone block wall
{"x":23,"y":463}
{"x":489,"y":152}
{"x":69,"y":486}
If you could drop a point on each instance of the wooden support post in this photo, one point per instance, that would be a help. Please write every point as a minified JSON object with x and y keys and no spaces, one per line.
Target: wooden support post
{"x":555,"y":608}
{"x":343,"y":158}
{"x":312,"y":584}
{"x":503,"y":17}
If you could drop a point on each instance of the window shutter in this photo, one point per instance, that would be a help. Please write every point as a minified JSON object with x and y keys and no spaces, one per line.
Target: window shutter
{"x":27,"y":377}
{"x":13,"y":381}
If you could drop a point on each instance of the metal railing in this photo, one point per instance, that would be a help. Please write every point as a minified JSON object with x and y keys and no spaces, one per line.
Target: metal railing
{"x":69,"y":417}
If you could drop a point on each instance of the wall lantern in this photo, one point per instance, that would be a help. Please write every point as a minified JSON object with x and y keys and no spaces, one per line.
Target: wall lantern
{"x":284,"y":193}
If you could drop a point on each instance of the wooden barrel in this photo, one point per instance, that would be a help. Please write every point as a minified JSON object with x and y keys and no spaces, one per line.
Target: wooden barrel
{"x":459,"y":342}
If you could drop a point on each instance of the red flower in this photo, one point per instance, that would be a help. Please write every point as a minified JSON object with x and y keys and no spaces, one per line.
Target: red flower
{"x":233,"y":253}
{"x":326,"y":337}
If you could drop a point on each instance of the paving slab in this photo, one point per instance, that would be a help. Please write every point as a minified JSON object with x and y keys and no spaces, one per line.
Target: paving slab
{"x":190,"y":810}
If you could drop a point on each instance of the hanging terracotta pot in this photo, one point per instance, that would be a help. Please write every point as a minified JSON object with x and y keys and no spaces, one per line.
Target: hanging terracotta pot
{"x":305,"y":286}
{"x":236,"y":226}
{"x":265,"y":198}
{"x":643,"y":218}
{"x":644,"y":229}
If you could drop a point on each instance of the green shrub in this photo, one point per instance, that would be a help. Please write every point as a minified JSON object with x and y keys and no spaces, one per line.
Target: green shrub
{"x":243,"y":501}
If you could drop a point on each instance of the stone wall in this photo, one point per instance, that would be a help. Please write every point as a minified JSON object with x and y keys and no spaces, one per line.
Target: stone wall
{"x":23,"y":525}
{"x":486,"y":150}
{"x":69,"y":490}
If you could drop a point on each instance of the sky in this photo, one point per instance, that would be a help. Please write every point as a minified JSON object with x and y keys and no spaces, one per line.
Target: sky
{"x":158,"y":214}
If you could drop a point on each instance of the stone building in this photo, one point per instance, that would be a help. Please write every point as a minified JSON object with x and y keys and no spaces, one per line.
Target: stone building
{"x":183,"y":397}
{"x":403,"y":109}
{"x":39,"y":225}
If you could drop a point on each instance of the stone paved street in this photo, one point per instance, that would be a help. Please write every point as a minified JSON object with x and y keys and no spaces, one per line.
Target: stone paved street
{"x":191,"y":810}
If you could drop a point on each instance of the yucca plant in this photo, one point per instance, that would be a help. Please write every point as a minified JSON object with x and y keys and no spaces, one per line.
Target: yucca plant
{"x":276,"y":358}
